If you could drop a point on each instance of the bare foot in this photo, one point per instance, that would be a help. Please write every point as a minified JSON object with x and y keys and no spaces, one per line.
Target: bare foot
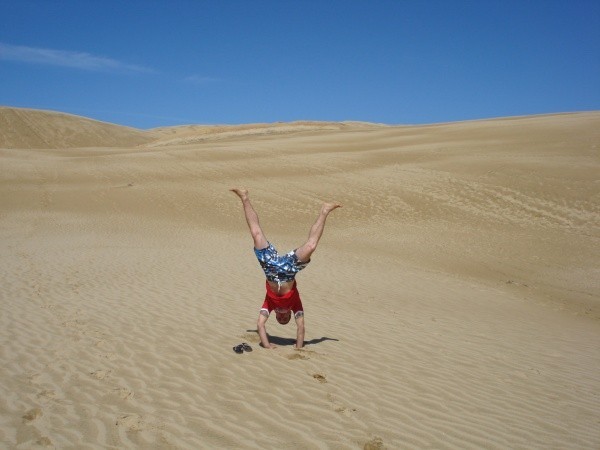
{"x":328,"y":207}
{"x":240,"y":192}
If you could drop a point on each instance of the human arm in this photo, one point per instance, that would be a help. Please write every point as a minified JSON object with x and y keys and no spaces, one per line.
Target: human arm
{"x":262,"y":330}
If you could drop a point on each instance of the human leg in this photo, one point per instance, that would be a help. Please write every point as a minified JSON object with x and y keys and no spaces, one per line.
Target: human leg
{"x":260,"y":241}
{"x":316,"y":231}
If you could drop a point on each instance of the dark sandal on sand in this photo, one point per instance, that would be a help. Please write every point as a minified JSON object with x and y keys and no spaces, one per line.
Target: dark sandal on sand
{"x":246,"y":347}
{"x":238,"y":349}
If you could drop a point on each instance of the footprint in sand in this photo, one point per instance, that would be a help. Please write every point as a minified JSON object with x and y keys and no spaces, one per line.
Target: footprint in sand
{"x":250,"y":337}
{"x":46,"y":395}
{"x":344,"y":410}
{"x":33,"y":378}
{"x":109,"y":356}
{"x":301,"y":353}
{"x":32,"y":414}
{"x":101,"y":374}
{"x":124,"y":393}
{"x":132,"y":422}
{"x":338,"y":407}
{"x":320,"y":378}
{"x":102,"y":344}
{"x":44,"y":441}
{"x":73,"y":323}
{"x":374,"y":444}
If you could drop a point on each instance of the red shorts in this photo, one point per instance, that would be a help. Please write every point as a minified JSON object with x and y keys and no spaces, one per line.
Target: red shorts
{"x":282,"y":303}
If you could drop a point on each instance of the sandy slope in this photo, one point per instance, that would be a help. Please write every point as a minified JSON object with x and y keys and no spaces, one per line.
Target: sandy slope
{"x":191,"y":134}
{"x":453,"y":301}
{"x":27,"y":128}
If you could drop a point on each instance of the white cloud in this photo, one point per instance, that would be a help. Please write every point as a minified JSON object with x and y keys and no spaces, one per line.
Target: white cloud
{"x":65,"y":58}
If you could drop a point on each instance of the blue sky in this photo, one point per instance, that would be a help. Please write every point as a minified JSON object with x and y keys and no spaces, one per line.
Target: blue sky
{"x":148,"y":63}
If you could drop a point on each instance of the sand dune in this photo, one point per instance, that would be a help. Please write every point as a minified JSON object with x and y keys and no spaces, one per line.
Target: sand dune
{"x":191,"y":134}
{"x":453,"y":301}
{"x":27,"y":128}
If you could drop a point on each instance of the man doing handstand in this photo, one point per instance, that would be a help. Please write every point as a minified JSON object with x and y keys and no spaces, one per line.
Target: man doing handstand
{"x":282,"y":294}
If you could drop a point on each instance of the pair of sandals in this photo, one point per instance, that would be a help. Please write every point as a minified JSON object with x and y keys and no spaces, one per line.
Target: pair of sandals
{"x":243,"y":347}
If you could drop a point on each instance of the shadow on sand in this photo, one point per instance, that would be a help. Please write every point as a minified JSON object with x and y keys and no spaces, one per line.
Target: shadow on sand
{"x":281,"y":341}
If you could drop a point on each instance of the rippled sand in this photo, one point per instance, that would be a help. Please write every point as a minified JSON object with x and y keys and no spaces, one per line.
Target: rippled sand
{"x":453,"y":302}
